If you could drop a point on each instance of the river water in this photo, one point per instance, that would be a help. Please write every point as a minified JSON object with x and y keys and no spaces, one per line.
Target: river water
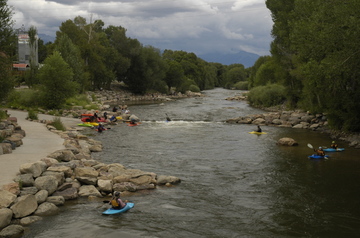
{"x":234,"y":184}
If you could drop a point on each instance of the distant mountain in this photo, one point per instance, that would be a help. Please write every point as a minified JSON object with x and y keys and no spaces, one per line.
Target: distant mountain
{"x":46,"y":38}
{"x":242,"y":57}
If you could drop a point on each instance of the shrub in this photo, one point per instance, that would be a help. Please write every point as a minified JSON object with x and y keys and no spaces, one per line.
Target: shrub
{"x":3,"y":114}
{"x":194,"y":88}
{"x":57,"y":123}
{"x":267,"y":96}
{"x":23,"y":98}
{"x":242,"y":85}
{"x":32,"y":115}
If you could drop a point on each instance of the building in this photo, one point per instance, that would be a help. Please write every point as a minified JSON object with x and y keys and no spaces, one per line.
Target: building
{"x":27,"y":54}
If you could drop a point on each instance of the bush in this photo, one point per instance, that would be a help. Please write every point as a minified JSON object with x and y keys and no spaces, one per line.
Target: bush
{"x":3,"y":114}
{"x":23,"y":98}
{"x":242,"y":85}
{"x":57,"y":123}
{"x":78,"y":100}
{"x":194,"y":88}
{"x":32,"y":115}
{"x":267,"y":96}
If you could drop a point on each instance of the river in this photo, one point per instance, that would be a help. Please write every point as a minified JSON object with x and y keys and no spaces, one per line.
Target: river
{"x":234,"y":184}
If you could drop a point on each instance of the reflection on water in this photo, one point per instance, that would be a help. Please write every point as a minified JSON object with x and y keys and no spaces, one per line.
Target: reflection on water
{"x":234,"y":184}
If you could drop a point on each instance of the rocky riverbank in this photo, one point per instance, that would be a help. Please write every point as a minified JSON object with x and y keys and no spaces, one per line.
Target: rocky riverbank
{"x":298,"y":119}
{"x":41,"y":187}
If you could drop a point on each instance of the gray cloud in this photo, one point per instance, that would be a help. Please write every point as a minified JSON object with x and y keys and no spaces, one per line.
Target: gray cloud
{"x":199,"y":26}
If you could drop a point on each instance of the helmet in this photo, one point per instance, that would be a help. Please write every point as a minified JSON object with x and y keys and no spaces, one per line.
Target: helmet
{"x":333,"y":142}
{"x":117,"y":194}
{"x":320,"y":148}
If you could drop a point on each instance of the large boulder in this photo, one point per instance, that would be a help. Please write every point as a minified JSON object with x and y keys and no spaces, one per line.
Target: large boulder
{"x":24,"y":206}
{"x":68,"y":193}
{"x":5,"y":217}
{"x":287,"y":141}
{"x":63,"y":155}
{"x":26,"y":180}
{"x":12,"y":231}
{"x":47,"y":209}
{"x":36,"y":169}
{"x":49,"y":183}
{"x":57,"y":200}
{"x":41,"y":196}
{"x":29,"y":220}
{"x":89,"y":190}
{"x":165,"y":179}
{"x":6,"y":198}
{"x":105,"y":185}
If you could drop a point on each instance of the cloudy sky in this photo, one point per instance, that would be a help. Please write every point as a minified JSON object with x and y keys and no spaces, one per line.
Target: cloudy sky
{"x":199,"y":26}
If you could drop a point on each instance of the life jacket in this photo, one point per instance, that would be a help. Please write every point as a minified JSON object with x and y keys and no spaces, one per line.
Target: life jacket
{"x":114,"y":203}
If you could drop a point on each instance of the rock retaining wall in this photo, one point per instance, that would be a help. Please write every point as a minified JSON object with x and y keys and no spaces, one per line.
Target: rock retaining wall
{"x":64,"y":175}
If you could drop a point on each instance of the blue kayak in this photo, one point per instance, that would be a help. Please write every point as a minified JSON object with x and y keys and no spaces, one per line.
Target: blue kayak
{"x":318,"y":157}
{"x":111,"y":211}
{"x":334,"y":150}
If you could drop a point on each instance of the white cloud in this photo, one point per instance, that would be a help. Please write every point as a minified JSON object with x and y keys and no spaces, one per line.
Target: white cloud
{"x":199,"y":26}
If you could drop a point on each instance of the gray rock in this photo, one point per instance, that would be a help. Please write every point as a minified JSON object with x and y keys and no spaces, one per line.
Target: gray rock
{"x":89,"y":190}
{"x":24,"y":206}
{"x":5,"y":217}
{"x":57,"y":200}
{"x":6,"y":198}
{"x":28,"y":190}
{"x":12,"y":231}
{"x":29,"y":220}
{"x":68,"y":193}
{"x":47,"y":209}
{"x":164,"y":179}
{"x":287,"y":141}
{"x":49,"y":183}
{"x":41,"y":196}
{"x":36,"y":169}
{"x":26,"y":180}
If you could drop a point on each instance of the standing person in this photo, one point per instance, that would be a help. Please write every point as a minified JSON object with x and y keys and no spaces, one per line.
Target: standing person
{"x":258,"y":129}
{"x":105,"y":115}
{"x":116,"y":201}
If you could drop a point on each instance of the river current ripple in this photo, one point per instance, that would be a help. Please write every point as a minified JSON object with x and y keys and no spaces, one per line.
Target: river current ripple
{"x":234,"y":184}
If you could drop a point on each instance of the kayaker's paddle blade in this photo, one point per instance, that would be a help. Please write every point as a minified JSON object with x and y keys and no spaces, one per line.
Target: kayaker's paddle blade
{"x":310,"y":146}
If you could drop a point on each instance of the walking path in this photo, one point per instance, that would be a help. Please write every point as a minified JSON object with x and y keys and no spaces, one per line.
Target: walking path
{"x":37,"y":144}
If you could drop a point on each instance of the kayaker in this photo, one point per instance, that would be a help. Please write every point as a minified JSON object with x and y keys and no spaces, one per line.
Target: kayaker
{"x":116,"y":201}
{"x":319,"y":152}
{"x":333,"y":145}
{"x":258,"y":129}
{"x":167,"y":117}
{"x":100,"y":127}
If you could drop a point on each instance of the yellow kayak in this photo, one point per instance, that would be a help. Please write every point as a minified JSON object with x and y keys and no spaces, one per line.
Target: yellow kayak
{"x":92,"y":123}
{"x":257,"y":133}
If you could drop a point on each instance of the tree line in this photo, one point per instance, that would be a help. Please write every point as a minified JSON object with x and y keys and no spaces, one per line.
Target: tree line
{"x":89,"y":56}
{"x":315,"y":58}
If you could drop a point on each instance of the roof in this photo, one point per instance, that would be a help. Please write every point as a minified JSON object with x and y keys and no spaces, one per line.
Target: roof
{"x":20,"y":66}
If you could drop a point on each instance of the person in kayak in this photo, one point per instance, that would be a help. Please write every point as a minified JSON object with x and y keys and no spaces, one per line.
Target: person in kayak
{"x":167,"y":117}
{"x":333,"y":145}
{"x":319,"y":152}
{"x":116,"y":201}
{"x":258,"y":129}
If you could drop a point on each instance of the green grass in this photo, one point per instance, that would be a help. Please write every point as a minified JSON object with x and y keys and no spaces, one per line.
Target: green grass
{"x":57,"y":123}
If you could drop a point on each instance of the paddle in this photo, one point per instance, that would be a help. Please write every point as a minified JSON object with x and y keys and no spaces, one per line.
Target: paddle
{"x":310,"y":146}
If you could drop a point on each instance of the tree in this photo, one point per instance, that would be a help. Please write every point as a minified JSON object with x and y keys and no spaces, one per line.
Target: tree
{"x":7,"y":49}
{"x":57,"y":82}
{"x":72,"y":56}
{"x":174,"y":74}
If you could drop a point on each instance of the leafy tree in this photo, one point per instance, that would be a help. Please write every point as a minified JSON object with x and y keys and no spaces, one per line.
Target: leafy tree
{"x":72,"y":56}
{"x":57,"y":82}
{"x":146,"y":68}
{"x":7,"y":48}
{"x":174,"y":74}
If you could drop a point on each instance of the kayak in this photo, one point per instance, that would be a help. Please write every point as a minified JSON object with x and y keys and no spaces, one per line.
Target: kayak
{"x":85,"y":124}
{"x":111,"y":210}
{"x":334,"y":150}
{"x":318,"y":156}
{"x":257,"y":133}
{"x":135,"y":124}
